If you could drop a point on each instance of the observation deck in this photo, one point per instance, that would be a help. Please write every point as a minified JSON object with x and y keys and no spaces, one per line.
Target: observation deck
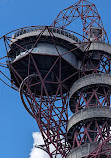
{"x":46,"y":45}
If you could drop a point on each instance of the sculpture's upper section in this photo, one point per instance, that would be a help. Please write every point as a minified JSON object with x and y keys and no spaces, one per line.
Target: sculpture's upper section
{"x":92,"y":26}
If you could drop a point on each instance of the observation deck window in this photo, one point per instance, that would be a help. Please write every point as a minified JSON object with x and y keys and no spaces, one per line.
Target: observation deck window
{"x":23,"y":50}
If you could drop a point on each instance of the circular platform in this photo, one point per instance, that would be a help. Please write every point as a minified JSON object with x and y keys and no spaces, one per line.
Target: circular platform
{"x":49,"y":47}
{"x":100,"y":46}
{"x":103,"y":80}
{"x":86,"y":149}
{"x":81,"y":152}
{"x":84,"y":115}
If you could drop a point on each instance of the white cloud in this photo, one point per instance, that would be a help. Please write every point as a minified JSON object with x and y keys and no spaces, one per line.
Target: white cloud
{"x":38,"y":153}
{"x":35,"y":152}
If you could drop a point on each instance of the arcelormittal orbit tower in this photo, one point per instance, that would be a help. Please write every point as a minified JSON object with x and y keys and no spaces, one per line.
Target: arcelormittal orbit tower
{"x":53,"y":67}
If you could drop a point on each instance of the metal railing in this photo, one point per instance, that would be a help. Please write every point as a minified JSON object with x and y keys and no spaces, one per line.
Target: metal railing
{"x":52,"y":29}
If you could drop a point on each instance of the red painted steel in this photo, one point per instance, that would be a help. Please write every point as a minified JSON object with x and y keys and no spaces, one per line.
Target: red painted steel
{"x":93,"y":96}
{"x":96,"y":62}
{"x":103,"y":150}
{"x":87,"y":13}
{"x":50,"y":110}
{"x":91,"y":132}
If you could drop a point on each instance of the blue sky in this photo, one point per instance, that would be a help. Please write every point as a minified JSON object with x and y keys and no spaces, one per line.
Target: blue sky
{"x":16,"y":125}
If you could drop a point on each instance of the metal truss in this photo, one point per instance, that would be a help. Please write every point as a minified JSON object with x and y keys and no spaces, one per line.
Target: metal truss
{"x":91,"y":131}
{"x":103,"y":150}
{"x":87,"y":13}
{"x":45,"y":99}
{"x":96,"y":129}
{"x":93,"y":96}
{"x":45,"y":92}
{"x":96,"y":62}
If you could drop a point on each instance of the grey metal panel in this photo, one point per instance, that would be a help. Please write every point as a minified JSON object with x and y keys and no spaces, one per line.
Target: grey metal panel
{"x":90,"y":80}
{"x":46,"y":33}
{"x":82,"y":151}
{"x":89,"y":113}
{"x":100,"y":46}
{"x":49,"y":49}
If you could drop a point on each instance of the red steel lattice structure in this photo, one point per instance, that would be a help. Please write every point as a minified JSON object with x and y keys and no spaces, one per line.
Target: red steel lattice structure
{"x":88,"y":15}
{"x":37,"y":59}
{"x":103,"y":148}
{"x":46,"y":63}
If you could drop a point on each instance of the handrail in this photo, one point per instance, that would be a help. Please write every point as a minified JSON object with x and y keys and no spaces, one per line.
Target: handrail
{"x":52,"y":29}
